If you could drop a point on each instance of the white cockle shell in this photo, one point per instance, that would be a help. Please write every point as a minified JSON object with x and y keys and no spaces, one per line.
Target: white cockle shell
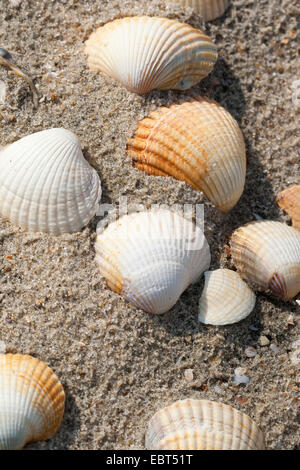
{"x":46,"y":185}
{"x":152,"y":257}
{"x":225,"y":299}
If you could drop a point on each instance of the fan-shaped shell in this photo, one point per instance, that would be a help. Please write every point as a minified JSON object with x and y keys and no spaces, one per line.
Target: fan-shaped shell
{"x":225,"y":299}
{"x":146,"y":53}
{"x":32,"y":401}
{"x":152,"y":257}
{"x":208,"y":9}
{"x":46,"y":185}
{"x":196,"y":141}
{"x":202,"y":425}
{"x":289,"y":200}
{"x":267,"y":255}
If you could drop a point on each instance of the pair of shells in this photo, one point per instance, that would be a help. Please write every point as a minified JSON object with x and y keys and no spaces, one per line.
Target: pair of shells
{"x":152,"y":257}
{"x":208,"y":9}
{"x":196,"y":141}
{"x":46,"y":185}
{"x":147,"y":53}
{"x":289,"y":200}
{"x":202,"y":425}
{"x":267,"y":255}
{"x":32,"y":401}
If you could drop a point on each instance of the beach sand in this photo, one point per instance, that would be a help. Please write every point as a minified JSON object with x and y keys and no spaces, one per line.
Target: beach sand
{"x":120,"y":365}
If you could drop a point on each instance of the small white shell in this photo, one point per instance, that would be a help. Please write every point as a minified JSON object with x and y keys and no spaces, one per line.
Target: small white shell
{"x":46,"y":185}
{"x":152,"y":257}
{"x":147,"y":53}
{"x":225,"y":299}
{"x":267,"y":255}
{"x":32,"y":401}
{"x":202,"y":425}
{"x":208,"y":9}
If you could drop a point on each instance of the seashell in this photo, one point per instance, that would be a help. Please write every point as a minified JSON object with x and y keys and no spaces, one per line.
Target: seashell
{"x":267,"y":255}
{"x":208,"y":9}
{"x":32,"y":401}
{"x":196,"y":141}
{"x":46,"y":185}
{"x":289,"y":201}
{"x":225,"y":299}
{"x":149,"y":53}
{"x":202,"y":425}
{"x":152,"y":257}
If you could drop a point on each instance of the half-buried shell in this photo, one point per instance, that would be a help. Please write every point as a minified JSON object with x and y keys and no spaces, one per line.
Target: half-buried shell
{"x":152,"y":257}
{"x":196,"y":141}
{"x":146,"y":53}
{"x":267,"y":255}
{"x":208,"y":9}
{"x":225,"y":299}
{"x":32,"y":401}
{"x":46,"y":185}
{"x":202,"y":425}
{"x":289,"y":200}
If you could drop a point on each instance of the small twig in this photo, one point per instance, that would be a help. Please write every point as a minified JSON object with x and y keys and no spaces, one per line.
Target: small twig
{"x":35,"y":94}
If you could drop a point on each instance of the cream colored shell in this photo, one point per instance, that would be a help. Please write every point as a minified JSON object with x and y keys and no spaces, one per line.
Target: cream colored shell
{"x":196,"y":141}
{"x":208,"y":9}
{"x":225,"y":299}
{"x":151,"y":257}
{"x":289,"y":200}
{"x":46,"y":185}
{"x":202,"y":425}
{"x":267,"y":255}
{"x":32,"y":401}
{"x":146,"y":53}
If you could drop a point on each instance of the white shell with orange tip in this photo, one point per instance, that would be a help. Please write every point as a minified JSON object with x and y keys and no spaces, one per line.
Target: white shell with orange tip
{"x":32,"y":401}
{"x":225,"y":299}
{"x":146,"y":53}
{"x":208,"y":9}
{"x":267,"y":255}
{"x":46,"y":185}
{"x":289,"y":200}
{"x":151,"y":257}
{"x":202,"y":425}
{"x":196,"y":141}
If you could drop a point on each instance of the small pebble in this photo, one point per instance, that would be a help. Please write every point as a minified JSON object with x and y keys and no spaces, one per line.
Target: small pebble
{"x":241,"y":379}
{"x":264,"y":341}
{"x":250,"y":351}
{"x":2,"y":347}
{"x":274,"y":348}
{"x":253,"y":328}
{"x":217,"y":389}
{"x":189,"y":375}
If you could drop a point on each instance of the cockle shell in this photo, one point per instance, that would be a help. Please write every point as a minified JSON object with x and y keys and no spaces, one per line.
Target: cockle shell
{"x":147,"y":53}
{"x":46,"y":185}
{"x":152,"y":257}
{"x":267,"y":255}
{"x":32,"y":401}
{"x":208,"y":9}
{"x":289,"y":200}
{"x":196,"y":141}
{"x":202,"y":425}
{"x":225,"y":299}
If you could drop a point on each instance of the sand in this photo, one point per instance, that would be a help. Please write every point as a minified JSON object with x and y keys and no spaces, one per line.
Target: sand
{"x":119,"y":365}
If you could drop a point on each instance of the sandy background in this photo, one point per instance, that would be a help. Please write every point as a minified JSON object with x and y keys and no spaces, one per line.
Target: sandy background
{"x":119,"y":365}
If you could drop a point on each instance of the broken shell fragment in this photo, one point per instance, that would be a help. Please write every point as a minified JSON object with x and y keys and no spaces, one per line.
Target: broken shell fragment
{"x":152,"y":257}
{"x":149,"y":53}
{"x":208,"y":9}
{"x":267,"y":255}
{"x":32,"y":401}
{"x":46,"y":185}
{"x":225,"y":299}
{"x":202,"y":425}
{"x":289,"y":201}
{"x":196,"y":141}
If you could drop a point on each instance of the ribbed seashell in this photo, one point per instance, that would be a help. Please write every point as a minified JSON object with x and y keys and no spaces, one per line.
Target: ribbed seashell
{"x":152,"y":257}
{"x":149,"y":53}
{"x":208,"y":9}
{"x":32,"y":401}
{"x":202,"y":425}
{"x":267,"y":255}
{"x":225,"y":299}
{"x":196,"y":141}
{"x":46,"y":185}
{"x":289,"y":200}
